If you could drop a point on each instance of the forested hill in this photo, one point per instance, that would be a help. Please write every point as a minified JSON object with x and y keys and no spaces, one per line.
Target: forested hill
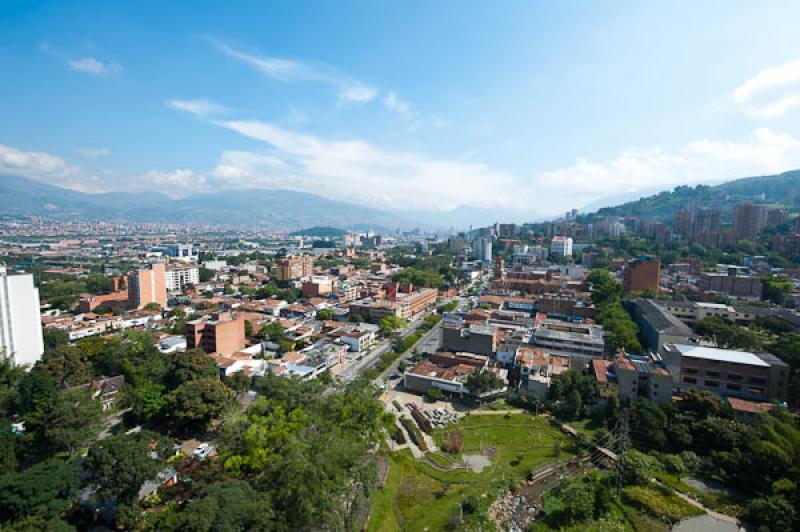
{"x":781,"y":189}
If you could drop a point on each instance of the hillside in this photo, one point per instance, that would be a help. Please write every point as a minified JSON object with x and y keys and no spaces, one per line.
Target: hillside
{"x":320,"y":232}
{"x":279,"y":209}
{"x":781,"y":189}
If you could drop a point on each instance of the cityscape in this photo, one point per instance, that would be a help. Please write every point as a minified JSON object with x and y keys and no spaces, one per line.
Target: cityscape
{"x":316,"y":297}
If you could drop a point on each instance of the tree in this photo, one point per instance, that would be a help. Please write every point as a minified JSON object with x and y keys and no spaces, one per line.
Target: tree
{"x":147,"y":401}
{"x":54,"y":337}
{"x":481,"y":382}
{"x":605,"y":289}
{"x":248,"y":328}
{"x":578,"y":498}
{"x":433,"y":394}
{"x":196,"y":402}
{"x":66,"y":423}
{"x":120,"y":464}
{"x":391,"y":324}
{"x":229,"y":505}
{"x":46,"y":489}
{"x":771,"y":514}
{"x":206,"y":274}
{"x":638,"y":468}
{"x":152,"y":307}
{"x":191,"y":365}
{"x":776,"y":288}
{"x":325,"y":314}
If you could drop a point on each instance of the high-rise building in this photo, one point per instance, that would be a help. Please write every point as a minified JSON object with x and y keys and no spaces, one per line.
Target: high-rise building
{"x":482,"y":249}
{"x":642,"y":274}
{"x":295,"y":267}
{"x":682,"y":223}
{"x":178,"y":276}
{"x":561,"y":246}
{"x":147,"y":286}
{"x":750,"y":220}
{"x":706,"y":227}
{"x":20,"y":324}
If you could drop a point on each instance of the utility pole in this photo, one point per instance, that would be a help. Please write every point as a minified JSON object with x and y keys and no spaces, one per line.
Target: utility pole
{"x":623,"y":442}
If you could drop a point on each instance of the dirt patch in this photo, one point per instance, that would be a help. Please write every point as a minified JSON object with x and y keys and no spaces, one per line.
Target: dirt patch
{"x":490,"y":452}
{"x":477,"y":462}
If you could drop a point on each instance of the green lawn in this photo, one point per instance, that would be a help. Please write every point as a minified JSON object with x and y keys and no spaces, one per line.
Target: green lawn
{"x":415,"y":496}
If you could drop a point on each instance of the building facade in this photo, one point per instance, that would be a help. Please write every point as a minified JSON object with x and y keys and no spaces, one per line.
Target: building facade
{"x":148,"y":286}
{"x":20,"y":325}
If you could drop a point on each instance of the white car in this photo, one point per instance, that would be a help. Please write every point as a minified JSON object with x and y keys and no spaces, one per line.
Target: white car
{"x":202,"y":450}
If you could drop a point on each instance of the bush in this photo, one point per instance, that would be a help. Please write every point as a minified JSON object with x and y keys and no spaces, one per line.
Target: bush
{"x":414,"y":433}
{"x":398,"y":436}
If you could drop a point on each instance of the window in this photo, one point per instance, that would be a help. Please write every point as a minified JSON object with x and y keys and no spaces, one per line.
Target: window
{"x":734,"y":377}
{"x":757,"y":380}
{"x":691,"y":371}
{"x":690,"y":380}
{"x":712,"y":373}
{"x":734,"y":387}
{"x":712,"y":384}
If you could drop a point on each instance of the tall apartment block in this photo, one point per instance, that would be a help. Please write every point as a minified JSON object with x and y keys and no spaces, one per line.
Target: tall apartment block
{"x":295,"y":267}
{"x":642,"y":274}
{"x":750,"y":221}
{"x":147,"y":286}
{"x":20,"y":325}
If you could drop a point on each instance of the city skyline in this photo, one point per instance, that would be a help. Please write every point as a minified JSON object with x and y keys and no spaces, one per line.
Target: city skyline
{"x":410,"y":108}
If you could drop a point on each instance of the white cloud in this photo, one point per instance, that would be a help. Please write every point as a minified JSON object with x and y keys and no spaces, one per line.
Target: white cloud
{"x":361,"y":172}
{"x":394,"y":103}
{"x":95,"y":67}
{"x":199,"y":106}
{"x":35,"y":165}
{"x":772,"y":92}
{"x":94,"y":152}
{"x":177,"y":183}
{"x":287,"y":70}
{"x":706,"y":161}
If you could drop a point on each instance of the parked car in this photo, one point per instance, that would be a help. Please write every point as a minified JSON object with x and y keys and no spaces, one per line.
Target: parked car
{"x":202,"y":451}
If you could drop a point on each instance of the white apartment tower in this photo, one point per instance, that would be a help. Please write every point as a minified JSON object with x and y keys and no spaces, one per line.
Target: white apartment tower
{"x":20,"y":324}
{"x":561,"y":246}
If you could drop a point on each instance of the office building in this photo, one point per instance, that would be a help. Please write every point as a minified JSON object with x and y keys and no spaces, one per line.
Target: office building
{"x":731,"y":282}
{"x":657,"y":326}
{"x":20,"y":325}
{"x":477,"y":339}
{"x":581,"y":342}
{"x":147,"y":286}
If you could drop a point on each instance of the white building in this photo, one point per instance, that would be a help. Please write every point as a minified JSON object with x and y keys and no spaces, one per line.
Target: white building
{"x":20,"y":324}
{"x":177,"y":277}
{"x":561,"y":246}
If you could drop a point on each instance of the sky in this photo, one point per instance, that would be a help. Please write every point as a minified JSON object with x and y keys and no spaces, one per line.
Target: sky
{"x":530,"y":108}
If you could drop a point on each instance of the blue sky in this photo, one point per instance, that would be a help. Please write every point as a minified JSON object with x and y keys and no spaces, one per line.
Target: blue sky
{"x":524,"y":107}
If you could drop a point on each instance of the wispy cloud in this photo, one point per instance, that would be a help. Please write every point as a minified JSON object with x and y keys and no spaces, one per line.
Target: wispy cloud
{"x":94,"y":152}
{"x":358,"y":171}
{"x":87,"y":65}
{"x":394,"y":103}
{"x":200,"y":107}
{"x":95,"y":67}
{"x":288,"y":70}
{"x":772,"y":92}
{"x":35,"y":164}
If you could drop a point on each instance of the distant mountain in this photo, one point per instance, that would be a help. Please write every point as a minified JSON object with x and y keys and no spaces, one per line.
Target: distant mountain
{"x":279,"y":209}
{"x":782,"y":189}
{"x":321,"y":232}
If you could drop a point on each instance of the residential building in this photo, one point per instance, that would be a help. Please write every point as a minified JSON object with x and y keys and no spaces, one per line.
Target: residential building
{"x":728,"y":373}
{"x":749,"y":221}
{"x":20,"y":325}
{"x":732,"y":282}
{"x":642,"y":274}
{"x":537,"y":367}
{"x":294,"y":268}
{"x":222,"y":333}
{"x":639,"y":376}
{"x":177,"y":276}
{"x":446,"y":371}
{"x":147,"y":286}
{"x":561,"y":246}
{"x":359,"y":337}
{"x":317,"y":285}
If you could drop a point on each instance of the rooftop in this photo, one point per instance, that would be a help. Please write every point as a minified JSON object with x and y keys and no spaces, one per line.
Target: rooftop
{"x":721,"y":355}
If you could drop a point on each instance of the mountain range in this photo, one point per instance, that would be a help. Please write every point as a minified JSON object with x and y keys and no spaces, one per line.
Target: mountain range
{"x":279,"y":209}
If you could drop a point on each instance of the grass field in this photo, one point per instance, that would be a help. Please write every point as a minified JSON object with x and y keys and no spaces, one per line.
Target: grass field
{"x":415,"y":496}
